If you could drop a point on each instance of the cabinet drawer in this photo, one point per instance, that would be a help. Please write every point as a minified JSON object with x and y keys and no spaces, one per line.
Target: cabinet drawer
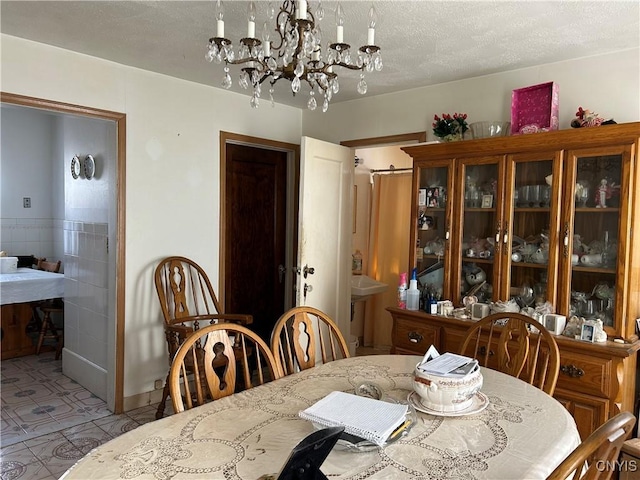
{"x":414,"y":336}
{"x":583,"y":373}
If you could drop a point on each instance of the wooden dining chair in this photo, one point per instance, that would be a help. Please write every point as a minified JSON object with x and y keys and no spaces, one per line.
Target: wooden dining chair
{"x":50,"y":308}
{"x":187,"y":299}
{"x":595,"y":458}
{"x":299,"y":333}
{"x":205,"y":367}
{"x":515,"y":344}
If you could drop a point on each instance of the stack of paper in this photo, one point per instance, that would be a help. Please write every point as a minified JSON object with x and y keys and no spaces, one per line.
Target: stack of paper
{"x":373,"y":420}
{"x":447,"y":364}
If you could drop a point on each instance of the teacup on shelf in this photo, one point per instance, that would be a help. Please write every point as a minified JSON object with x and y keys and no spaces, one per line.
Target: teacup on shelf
{"x":591,"y":260}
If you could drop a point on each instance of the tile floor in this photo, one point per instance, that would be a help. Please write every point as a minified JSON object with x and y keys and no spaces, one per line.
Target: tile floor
{"x":49,"y":422}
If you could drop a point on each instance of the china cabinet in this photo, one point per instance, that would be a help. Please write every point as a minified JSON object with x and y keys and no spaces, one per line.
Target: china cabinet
{"x":534,"y":218}
{"x":546,"y":217}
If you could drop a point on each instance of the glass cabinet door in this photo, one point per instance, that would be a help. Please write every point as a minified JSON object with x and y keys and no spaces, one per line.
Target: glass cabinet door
{"x":432,"y":228}
{"x":532,"y":203}
{"x":478,"y":228}
{"x":596,"y":234}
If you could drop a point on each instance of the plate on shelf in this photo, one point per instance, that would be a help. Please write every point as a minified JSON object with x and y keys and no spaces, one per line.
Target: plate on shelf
{"x":479,"y":403}
{"x":89,"y":166}
{"x":75,"y":167}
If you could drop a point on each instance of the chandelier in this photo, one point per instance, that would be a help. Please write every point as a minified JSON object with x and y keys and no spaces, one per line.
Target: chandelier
{"x":293,"y":51}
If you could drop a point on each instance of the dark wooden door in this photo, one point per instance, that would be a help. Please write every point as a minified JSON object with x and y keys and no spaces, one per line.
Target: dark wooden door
{"x":255,"y":234}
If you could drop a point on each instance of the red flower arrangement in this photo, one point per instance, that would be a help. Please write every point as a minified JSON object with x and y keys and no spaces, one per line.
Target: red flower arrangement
{"x":449,"y":126}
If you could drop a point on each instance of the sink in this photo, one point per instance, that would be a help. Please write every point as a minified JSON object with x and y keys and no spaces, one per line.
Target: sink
{"x":363,"y":287}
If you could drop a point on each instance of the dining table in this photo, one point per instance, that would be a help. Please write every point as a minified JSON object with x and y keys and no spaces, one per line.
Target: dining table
{"x":30,"y":285}
{"x":516,"y":432}
{"x":17,"y":291}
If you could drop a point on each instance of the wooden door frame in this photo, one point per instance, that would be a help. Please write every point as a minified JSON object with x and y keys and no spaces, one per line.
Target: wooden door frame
{"x":293,"y":153}
{"x":120,"y":120}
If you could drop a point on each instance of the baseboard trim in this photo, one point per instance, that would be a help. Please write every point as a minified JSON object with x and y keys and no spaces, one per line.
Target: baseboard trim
{"x":142,"y":400}
{"x":86,"y":373}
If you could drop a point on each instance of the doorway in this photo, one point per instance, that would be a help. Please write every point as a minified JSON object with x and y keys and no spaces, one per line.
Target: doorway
{"x":259,"y":210}
{"x":113,"y":366}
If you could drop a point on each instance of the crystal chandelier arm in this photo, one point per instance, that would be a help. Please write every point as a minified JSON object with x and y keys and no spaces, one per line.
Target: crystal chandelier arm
{"x":346,"y":65}
{"x":285,"y":9}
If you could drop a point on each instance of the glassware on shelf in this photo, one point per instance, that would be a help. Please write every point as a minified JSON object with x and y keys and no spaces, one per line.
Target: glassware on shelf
{"x":527,"y":250}
{"x":523,"y":196}
{"x":472,"y":196}
{"x":578,"y":303}
{"x":591,"y":308}
{"x":609,"y":252}
{"x":582,"y":194}
{"x":534,"y":195}
{"x":606,"y":315}
{"x":545,"y":196}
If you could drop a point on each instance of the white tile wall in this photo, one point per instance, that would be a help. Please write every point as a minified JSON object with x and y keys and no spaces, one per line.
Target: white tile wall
{"x":41,"y":237}
{"x":86,"y":290}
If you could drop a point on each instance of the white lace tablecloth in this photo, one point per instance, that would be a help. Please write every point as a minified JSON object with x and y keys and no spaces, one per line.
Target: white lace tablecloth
{"x":30,"y":285}
{"x":522,"y":434}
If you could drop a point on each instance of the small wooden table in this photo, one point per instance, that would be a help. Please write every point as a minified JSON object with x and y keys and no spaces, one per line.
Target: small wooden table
{"x":17,"y":291}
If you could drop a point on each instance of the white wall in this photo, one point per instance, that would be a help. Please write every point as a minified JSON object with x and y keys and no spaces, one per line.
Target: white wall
{"x":27,"y":171}
{"x":607,"y":84}
{"x":172,"y":177}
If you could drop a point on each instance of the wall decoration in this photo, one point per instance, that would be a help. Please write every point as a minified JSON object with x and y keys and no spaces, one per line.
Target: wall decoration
{"x":75,"y":167}
{"x":89,"y":167}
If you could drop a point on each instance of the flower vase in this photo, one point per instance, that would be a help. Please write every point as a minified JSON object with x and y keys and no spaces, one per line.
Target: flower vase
{"x":452,"y":137}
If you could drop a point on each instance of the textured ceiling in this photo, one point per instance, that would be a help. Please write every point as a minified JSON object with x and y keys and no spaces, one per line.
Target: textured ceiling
{"x":423,"y":42}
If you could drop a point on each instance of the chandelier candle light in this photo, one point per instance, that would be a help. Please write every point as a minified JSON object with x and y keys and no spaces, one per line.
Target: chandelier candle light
{"x":294,"y":53}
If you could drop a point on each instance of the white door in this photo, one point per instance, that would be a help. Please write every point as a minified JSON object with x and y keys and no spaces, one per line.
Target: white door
{"x":325,"y":229}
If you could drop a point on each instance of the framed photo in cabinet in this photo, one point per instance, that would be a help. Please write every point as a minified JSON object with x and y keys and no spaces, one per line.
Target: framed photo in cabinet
{"x":487,"y":201}
{"x":587,"y":333}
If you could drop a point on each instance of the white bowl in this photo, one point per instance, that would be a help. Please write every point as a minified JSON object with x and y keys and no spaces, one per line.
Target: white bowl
{"x":490,"y":129}
{"x":446,"y":394}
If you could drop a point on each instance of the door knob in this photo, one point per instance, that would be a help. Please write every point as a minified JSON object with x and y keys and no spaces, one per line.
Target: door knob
{"x":307,"y":270}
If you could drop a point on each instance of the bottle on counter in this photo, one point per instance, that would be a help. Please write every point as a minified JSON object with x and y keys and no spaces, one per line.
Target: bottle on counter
{"x":402,"y":291}
{"x":356,"y":265}
{"x":413,"y":294}
{"x":433,"y":304}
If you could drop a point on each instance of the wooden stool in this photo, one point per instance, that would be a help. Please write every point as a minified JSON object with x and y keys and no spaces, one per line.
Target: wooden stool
{"x":48,"y":329}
